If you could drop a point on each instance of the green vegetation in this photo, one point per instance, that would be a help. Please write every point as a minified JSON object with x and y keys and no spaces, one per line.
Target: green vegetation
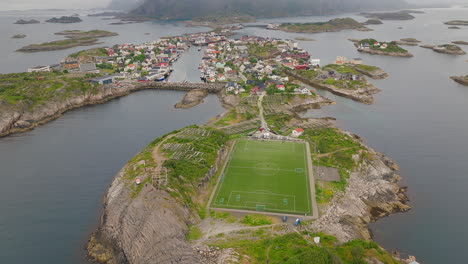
{"x":263,"y":52}
{"x":367,"y":68}
{"x":256,"y":220}
{"x":345,"y":84}
{"x":331,"y":148}
{"x":392,"y":47}
{"x":340,"y":68}
{"x":194,"y":233}
{"x":278,"y":121}
{"x":233,"y":117}
{"x":99,"y":52}
{"x":34,"y":89}
{"x":309,"y":74}
{"x":294,"y":249}
{"x":337,"y":24}
{"x":265,"y":176}
{"x":190,"y":160}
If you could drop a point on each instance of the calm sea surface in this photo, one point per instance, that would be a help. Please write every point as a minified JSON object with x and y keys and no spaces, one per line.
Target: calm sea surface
{"x":54,"y":176}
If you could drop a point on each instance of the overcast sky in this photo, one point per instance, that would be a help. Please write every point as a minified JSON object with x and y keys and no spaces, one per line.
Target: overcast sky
{"x":71,"y":4}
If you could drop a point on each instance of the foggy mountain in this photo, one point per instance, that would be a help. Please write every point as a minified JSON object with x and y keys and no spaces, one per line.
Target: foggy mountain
{"x":125,"y":4}
{"x":186,"y":9}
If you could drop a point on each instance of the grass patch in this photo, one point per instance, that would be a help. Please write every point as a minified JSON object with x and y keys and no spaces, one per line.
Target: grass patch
{"x":194,"y":233}
{"x":294,"y":249}
{"x":256,"y":220}
{"x":392,"y":47}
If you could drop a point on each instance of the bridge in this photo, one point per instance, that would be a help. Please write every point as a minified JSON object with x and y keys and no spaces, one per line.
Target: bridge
{"x":210,"y":87}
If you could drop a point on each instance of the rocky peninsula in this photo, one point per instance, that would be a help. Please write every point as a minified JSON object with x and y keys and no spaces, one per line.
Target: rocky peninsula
{"x":25,"y":22}
{"x":164,"y":221}
{"x":460,"y":42}
{"x":65,"y":20}
{"x":446,"y":49}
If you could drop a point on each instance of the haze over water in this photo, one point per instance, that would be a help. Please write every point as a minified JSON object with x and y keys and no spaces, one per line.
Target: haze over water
{"x":53,"y":177}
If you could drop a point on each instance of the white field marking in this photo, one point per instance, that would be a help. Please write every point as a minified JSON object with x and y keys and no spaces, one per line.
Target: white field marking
{"x":273,"y":205}
{"x":307,"y":179}
{"x":270,"y":210}
{"x":239,"y":167}
{"x":262,"y":193}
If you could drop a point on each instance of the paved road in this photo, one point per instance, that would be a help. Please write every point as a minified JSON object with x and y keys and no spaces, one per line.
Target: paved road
{"x":260,"y":115}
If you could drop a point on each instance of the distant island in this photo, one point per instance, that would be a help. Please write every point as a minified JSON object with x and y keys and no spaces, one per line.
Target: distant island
{"x":373,"y":21}
{"x":407,"y":42}
{"x":460,"y":42}
{"x":219,"y":20}
{"x":446,"y":48}
{"x":17,"y":36}
{"x":65,"y":20}
{"x":334,"y":25}
{"x":373,"y":46}
{"x":460,"y":79}
{"x":457,"y":23}
{"x":400,"y":15}
{"x":24,"y":22}
{"x":75,"y":38}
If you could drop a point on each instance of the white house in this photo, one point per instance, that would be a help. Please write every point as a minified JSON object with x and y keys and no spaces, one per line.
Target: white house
{"x":297,"y":132}
{"x":39,"y":69}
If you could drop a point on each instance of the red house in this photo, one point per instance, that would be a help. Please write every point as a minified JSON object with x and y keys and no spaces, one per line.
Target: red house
{"x":254,"y":90}
{"x":301,"y":67}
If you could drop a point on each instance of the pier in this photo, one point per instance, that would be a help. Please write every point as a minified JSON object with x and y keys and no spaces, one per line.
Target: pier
{"x":210,"y":87}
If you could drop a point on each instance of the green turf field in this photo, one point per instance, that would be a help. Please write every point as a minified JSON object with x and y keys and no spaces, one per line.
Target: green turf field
{"x":267,"y":176}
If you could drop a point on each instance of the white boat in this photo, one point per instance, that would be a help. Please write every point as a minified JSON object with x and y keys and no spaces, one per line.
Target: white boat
{"x":160,"y":78}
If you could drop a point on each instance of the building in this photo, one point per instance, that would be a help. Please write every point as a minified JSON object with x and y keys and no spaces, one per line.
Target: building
{"x":71,"y":65}
{"x":104,"y":80}
{"x":89,"y":67}
{"x":297,"y":132}
{"x":340,"y":60}
{"x":315,"y":62}
{"x":40,"y":69}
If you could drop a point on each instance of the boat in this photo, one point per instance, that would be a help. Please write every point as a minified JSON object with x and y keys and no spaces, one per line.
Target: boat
{"x":160,"y":78}
{"x":199,"y":49}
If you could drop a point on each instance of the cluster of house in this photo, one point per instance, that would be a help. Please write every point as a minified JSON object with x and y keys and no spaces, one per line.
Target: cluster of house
{"x":230,"y":61}
{"x":375,"y":45}
{"x":145,"y":62}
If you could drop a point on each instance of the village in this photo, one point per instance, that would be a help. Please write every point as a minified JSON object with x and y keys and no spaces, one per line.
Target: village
{"x":246,"y":65}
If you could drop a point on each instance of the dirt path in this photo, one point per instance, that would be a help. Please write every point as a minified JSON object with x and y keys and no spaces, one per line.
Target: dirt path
{"x":333,"y":152}
{"x":260,"y":108}
{"x":157,"y":156}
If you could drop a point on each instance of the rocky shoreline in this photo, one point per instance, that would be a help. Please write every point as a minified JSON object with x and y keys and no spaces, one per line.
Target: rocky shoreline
{"x":372,"y":193}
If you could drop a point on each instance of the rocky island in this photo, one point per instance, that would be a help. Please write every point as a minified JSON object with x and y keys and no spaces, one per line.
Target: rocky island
{"x":446,"y":49}
{"x":457,"y":23}
{"x":334,"y":25}
{"x":75,"y":38}
{"x":215,"y":21}
{"x":18,"y":36}
{"x":408,"y":42}
{"x":375,"y":47}
{"x":460,"y":42}
{"x":460,"y":79}
{"x":373,"y":21}
{"x":400,"y":15}
{"x":192,"y":98}
{"x":24,"y":22}
{"x":65,"y":20}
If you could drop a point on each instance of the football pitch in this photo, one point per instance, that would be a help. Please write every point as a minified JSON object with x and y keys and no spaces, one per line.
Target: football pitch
{"x":270,"y":176}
